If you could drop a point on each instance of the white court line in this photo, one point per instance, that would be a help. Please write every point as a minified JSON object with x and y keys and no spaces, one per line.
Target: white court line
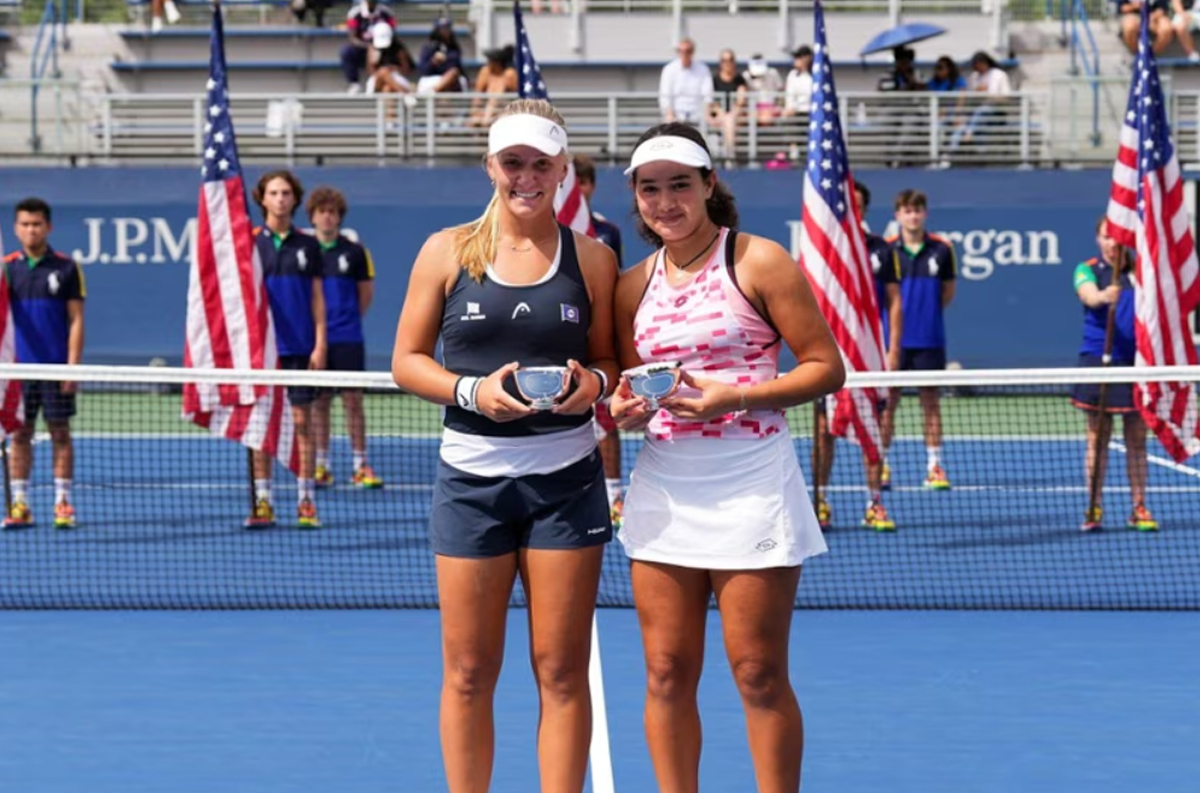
{"x":210,"y":486}
{"x":1011,"y":489}
{"x":42,"y":437}
{"x":1164,"y":462}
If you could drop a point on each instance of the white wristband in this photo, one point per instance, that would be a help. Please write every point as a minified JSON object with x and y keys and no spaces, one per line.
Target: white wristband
{"x":603,"y":382}
{"x":465,"y":391}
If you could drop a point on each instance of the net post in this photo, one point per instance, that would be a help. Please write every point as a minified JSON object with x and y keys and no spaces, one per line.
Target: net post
{"x":816,"y":452}
{"x":1104,"y":420}
{"x":250,"y":476}
{"x":7,"y":478}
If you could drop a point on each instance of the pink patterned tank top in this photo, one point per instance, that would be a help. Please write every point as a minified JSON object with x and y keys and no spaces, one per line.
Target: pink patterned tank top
{"x":710,"y":327}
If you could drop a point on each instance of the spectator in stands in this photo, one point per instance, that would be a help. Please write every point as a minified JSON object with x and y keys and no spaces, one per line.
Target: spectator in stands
{"x":904,"y":75}
{"x":1103,"y":288}
{"x":390,"y":62}
{"x":497,"y":77}
{"x":946,"y":76}
{"x":291,"y":263}
{"x":348,"y":282}
{"x":160,"y":7}
{"x":766,"y":87}
{"x":46,"y":293}
{"x":1160,"y":24}
{"x":608,"y":441}
{"x":440,"y":65}
{"x":686,"y":86}
{"x":300,"y":9}
{"x":361,"y":20}
{"x":556,"y":6}
{"x":798,"y":88}
{"x":729,"y":100}
{"x":927,"y":268}
{"x":986,"y":78}
{"x":1185,"y":22}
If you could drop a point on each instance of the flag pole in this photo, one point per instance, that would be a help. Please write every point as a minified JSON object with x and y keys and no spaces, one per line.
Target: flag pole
{"x":250,"y":477}
{"x":7,"y":477}
{"x":1104,"y":420}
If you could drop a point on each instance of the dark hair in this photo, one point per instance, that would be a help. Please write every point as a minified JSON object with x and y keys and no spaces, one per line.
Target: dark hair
{"x":914,"y":199}
{"x":260,"y":190}
{"x":721,"y":205}
{"x":34,"y":206}
{"x":585,"y":169}
{"x":803,"y":51}
{"x":983,"y":57}
{"x":330,"y":197}
{"x":1102,"y":225}
{"x":450,"y":41}
{"x":952,"y":73}
{"x":866,"y":194}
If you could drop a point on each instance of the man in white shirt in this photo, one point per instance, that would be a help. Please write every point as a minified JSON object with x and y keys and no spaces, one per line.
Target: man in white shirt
{"x":686,"y":86}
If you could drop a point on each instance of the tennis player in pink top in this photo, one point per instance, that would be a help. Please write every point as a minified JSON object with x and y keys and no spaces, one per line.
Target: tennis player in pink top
{"x":716,"y":503}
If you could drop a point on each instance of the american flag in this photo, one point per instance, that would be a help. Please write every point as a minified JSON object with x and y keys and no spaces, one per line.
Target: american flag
{"x":229,"y":324}
{"x":833,"y":251}
{"x":12,"y":405}
{"x":570,"y":205}
{"x":1146,"y":213}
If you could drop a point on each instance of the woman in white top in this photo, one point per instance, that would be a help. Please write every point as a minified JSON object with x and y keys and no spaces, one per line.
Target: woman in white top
{"x":986,"y":78}
{"x":798,"y":89}
{"x":716,"y":503}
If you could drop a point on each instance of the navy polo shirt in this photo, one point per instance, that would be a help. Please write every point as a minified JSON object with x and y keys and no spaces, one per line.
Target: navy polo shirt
{"x":922,"y":273}
{"x":345,"y":264}
{"x":610,"y":234}
{"x":290,"y":263}
{"x":1095,"y":320}
{"x":39,"y":291}
{"x":883,"y":268}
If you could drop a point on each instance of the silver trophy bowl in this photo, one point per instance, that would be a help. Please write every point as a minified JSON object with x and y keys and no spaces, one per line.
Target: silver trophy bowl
{"x":654,"y":381}
{"x":543,"y":386}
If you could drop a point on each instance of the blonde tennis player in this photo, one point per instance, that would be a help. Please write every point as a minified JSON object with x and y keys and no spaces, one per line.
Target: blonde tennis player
{"x":519,"y":491}
{"x":716,"y":503}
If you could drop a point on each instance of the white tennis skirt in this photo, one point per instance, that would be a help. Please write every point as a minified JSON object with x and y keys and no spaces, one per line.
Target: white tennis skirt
{"x":720,"y":505}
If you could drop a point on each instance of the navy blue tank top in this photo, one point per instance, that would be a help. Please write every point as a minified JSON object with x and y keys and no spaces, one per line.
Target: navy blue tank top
{"x":486,"y":325}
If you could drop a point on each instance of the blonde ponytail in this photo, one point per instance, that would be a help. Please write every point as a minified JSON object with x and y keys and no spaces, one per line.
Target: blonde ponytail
{"x":475,"y":242}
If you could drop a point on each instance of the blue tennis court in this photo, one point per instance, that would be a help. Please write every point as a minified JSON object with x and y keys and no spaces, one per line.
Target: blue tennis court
{"x":324,"y":684}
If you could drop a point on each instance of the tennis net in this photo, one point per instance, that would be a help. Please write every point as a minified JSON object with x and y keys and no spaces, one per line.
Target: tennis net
{"x":161,"y":503}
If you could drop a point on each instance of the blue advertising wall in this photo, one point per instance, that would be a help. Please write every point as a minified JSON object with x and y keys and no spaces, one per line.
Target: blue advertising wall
{"x":1018,"y":236}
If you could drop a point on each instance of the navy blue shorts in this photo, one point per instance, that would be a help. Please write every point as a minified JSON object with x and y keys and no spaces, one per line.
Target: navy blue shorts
{"x":1118,"y":397}
{"x":346,"y":357}
{"x":299,"y":395}
{"x":47,"y":396}
{"x":922,"y":359}
{"x":480,"y":517}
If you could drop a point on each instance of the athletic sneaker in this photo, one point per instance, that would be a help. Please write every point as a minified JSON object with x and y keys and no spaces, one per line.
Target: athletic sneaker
{"x":936,"y":479}
{"x":64,"y":515}
{"x":323,"y":476}
{"x":824,"y":514}
{"x":616,"y":512}
{"x":885,"y":477}
{"x":20,"y":516}
{"x":263,"y":516}
{"x":306,"y":515}
{"x":365,"y":478}
{"x":877,"y":518}
{"x":1092,"y":518}
{"x":1141,"y":519}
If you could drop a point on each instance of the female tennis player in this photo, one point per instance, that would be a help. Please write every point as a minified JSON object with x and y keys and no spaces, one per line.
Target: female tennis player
{"x":519,"y":491}
{"x":716,"y":503}
{"x":1100,"y":288}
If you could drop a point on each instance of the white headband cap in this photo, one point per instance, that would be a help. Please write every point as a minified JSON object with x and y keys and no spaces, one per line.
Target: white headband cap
{"x":524,"y":129}
{"x":670,"y":148}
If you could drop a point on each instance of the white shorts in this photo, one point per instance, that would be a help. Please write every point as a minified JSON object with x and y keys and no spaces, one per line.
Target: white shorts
{"x":720,"y":505}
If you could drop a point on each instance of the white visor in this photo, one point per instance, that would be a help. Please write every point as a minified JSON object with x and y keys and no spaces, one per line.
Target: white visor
{"x":524,"y":129}
{"x":670,"y":148}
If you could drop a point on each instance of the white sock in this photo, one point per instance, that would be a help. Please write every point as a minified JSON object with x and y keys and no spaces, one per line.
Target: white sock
{"x":614,"y":490}
{"x":20,"y":489}
{"x":360,"y":459}
{"x":62,"y":490}
{"x":322,"y":458}
{"x":934,"y":457}
{"x":873,"y":498}
{"x":304,"y":489}
{"x":262,"y":490}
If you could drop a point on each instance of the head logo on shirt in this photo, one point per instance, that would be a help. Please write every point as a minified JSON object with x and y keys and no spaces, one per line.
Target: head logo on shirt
{"x":521,"y":310}
{"x":54,"y":283}
{"x":343,"y":264}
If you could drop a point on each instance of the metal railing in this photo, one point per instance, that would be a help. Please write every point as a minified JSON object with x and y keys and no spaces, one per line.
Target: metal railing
{"x":926,"y":129}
